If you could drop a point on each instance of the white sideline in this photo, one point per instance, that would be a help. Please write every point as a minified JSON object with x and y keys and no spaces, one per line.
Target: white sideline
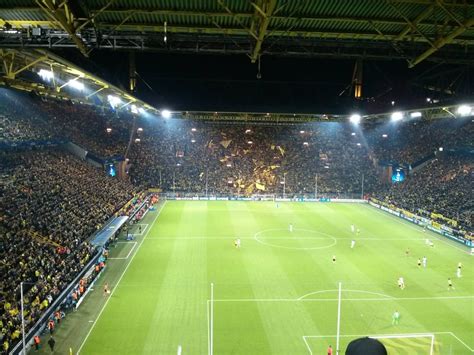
{"x":118,"y":282}
{"x":134,"y":245}
{"x":344,"y":299}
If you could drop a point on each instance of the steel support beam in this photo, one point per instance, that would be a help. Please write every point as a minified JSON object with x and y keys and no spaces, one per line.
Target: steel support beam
{"x":264,"y":15}
{"x":412,"y":25}
{"x":441,"y":42}
{"x":65,"y":19}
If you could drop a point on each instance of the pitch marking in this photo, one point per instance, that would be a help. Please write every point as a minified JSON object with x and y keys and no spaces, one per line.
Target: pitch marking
{"x":345,"y":290}
{"x":118,"y":282}
{"x":134,"y":245}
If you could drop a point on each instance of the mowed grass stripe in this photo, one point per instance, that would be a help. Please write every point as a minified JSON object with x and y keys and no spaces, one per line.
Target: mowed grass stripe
{"x":167,"y":269}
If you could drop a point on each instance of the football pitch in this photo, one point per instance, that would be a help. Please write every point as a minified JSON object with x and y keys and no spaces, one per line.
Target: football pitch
{"x":278,"y":293}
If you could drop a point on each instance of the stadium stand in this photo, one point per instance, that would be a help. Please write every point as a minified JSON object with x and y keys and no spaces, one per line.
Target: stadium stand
{"x":53,"y":202}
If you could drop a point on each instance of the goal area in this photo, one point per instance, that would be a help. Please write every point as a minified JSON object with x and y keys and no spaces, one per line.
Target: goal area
{"x":408,"y":343}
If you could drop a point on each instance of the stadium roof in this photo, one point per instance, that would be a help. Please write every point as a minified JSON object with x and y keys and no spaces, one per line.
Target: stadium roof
{"x":411,"y":30}
{"x":22,"y":69}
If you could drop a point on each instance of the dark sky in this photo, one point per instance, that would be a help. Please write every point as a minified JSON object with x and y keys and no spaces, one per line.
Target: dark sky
{"x":229,"y":82}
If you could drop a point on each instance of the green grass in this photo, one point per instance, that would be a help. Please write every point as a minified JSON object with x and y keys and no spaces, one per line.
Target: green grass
{"x":259,"y":304}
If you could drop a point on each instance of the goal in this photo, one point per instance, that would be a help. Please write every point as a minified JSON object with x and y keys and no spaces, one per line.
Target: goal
{"x":407,"y":343}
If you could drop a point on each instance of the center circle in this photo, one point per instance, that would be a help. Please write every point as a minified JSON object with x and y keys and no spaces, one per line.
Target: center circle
{"x":298,"y":239}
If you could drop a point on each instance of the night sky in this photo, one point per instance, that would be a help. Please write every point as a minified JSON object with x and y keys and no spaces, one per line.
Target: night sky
{"x":301,"y":85}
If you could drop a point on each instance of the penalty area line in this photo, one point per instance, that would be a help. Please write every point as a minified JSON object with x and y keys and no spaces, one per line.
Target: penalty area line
{"x":118,"y":282}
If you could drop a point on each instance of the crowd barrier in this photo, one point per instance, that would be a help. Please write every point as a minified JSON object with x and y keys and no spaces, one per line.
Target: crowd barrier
{"x":444,"y":230}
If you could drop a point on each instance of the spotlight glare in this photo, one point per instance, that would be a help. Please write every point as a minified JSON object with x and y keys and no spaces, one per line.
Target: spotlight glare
{"x":165,"y":113}
{"x":355,"y":118}
{"x":46,"y":74}
{"x":114,"y":101}
{"x":464,"y":110}
{"x":76,"y":85}
{"x":415,"y":114}
{"x":397,"y":116}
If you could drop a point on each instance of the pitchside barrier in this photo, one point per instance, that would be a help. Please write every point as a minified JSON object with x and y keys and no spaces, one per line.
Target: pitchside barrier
{"x":41,"y":323}
{"x":446,"y":231}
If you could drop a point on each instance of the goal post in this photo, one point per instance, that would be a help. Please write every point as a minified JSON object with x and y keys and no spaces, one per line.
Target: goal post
{"x":397,"y":341}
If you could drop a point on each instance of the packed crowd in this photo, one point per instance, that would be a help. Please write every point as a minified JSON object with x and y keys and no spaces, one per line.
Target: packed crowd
{"x":444,"y":186}
{"x":51,"y":203}
{"x":185,"y":156}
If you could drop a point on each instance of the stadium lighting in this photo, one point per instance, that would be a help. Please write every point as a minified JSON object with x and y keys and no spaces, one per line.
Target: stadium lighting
{"x":165,"y":113}
{"x":114,"y":101}
{"x":415,"y":114}
{"x":134,"y":109}
{"x":76,"y":85}
{"x":355,"y":118}
{"x":397,"y":116}
{"x":46,"y":74}
{"x":464,"y":110}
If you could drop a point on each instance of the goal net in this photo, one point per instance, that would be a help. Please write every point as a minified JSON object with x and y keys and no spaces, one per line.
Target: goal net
{"x":408,"y":343}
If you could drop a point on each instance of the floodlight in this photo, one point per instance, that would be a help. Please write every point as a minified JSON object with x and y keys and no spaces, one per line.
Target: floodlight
{"x":193,"y":141}
{"x":250,"y":142}
{"x":440,"y":149}
{"x":193,"y":129}
{"x":384,"y":135}
{"x":165,"y":113}
{"x":109,"y":130}
{"x":46,"y":74}
{"x":353,"y":134}
{"x":397,"y":116}
{"x":415,"y":114}
{"x":464,"y":110}
{"x":355,"y":118}
{"x":114,"y":101}
{"x":140,"y":129}
{"x":302,"y":132}
{"x":76,"y":84}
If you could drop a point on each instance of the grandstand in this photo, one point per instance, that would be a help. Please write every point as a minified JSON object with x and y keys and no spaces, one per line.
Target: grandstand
{"x":129,"y":226}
